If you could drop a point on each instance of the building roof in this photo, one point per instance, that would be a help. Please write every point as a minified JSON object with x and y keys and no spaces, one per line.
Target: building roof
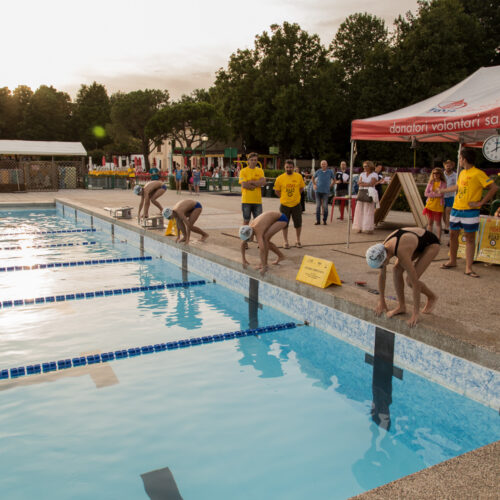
{"x":42,"y":148}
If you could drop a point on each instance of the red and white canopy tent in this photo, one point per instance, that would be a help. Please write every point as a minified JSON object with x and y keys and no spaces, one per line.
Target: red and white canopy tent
{"x":467,"y":114}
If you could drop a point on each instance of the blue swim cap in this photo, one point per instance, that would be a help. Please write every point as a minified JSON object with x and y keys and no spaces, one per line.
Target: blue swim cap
{"x":376,"y":255}
{"x":167,"y":213}
{"x":138,"y":190}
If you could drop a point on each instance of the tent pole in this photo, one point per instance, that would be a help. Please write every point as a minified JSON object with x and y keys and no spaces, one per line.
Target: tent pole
{"x":458,"y":158}
{"x":351,"y":164}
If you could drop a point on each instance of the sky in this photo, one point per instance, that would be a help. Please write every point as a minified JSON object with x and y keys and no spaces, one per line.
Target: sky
{"x":129,"y":45}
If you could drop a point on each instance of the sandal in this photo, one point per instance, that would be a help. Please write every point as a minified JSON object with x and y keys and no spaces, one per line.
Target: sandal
{"x":472,"y":274}
{"x":446,"y":266}
{"x":298,"y":244}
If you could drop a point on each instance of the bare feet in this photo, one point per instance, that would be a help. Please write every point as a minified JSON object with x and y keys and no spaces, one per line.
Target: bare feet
{"x":278,"y":260}
{"x":395,"y":312}
{"x":203,"y":238}
{"x":431,"y":302}
{"x":413,"y":320}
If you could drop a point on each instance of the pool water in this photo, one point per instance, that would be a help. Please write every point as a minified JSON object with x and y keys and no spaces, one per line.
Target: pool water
{"x":282,"y":415}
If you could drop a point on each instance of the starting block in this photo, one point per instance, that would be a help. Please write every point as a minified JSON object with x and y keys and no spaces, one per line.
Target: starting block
{"x":120,"y":213}
{"x":155,"y":222}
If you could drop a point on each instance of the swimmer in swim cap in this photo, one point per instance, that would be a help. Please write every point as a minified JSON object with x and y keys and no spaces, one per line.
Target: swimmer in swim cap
{"x":150,"y":194}
{"x":264,"y":227}
{"x":415,"y":248}
{"x":186,"y":213}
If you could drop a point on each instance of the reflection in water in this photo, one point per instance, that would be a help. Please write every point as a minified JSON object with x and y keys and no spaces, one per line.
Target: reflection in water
{"x":160,"y":485}
{"x":386,"y":457}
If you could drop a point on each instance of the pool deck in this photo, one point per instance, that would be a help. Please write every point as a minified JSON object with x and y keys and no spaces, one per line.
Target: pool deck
{"x":464,"y":322}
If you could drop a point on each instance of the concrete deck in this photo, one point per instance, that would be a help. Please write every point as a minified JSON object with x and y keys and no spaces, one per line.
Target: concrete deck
{"x":464,"y":322}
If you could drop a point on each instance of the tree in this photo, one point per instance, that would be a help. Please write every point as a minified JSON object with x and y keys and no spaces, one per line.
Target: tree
{"x":357,"y":38}
{"x":187,"y":120}
{"x":91,"y":115}
{"x":434,"y":50}
{"x":272,"y":94}
{"x":130,"y":114}
{"x":47,"y":116}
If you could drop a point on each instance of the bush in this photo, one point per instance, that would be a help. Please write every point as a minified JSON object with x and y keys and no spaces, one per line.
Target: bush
{"x":272,"y":174}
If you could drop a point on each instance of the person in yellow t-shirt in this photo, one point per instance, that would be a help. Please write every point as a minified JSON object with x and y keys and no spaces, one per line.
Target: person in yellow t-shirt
{"x":252,"y":180}
{"x":465,"y":212}
{"x":434,"y":206}
{"x":289,"y":187}
{"x":131,"y":176}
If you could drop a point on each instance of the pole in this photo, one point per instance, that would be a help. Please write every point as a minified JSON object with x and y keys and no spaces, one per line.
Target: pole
{"x":458,"y":158}
{"x":351,"y":165}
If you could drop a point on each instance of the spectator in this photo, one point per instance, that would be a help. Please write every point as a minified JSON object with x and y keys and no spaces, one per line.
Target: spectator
{"x":434,"y":206}
{"x":178,"y":179}
{"x":252,"y":180}
{"x":322,"y":182}
{"x":342,"y":185}
{"x":196,"y":180}
{"x":303,"y":192}
{"x":154,"y":173}
{"x":364,"y":217}
{"x":378,"y":185}
{"x":465,"y":211}
{"x":289,"y":188}
{"x":451,"y":180}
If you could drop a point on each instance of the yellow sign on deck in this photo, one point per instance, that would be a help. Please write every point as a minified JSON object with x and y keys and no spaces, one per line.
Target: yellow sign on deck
{"x":318,"y":272}
{"x":171,"y":228}
{"x":488,"y":245}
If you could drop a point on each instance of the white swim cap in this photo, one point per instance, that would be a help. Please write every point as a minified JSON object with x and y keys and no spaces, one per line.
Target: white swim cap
{"x":138,"y":190}
{"x":167,"y":213}
{"x":245,"y":232}
{"x":376,"y":255}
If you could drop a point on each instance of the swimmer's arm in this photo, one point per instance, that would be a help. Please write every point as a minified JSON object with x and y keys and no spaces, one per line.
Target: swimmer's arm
{"x":381,"y":306}
{"x":183,"y":222}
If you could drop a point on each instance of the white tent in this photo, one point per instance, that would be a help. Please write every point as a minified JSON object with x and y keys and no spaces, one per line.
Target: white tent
{"x":42,"y":148}
{"x":467,"y":114}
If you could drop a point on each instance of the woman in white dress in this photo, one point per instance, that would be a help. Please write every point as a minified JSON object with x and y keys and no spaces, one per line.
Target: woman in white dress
{"x":364,"y":216}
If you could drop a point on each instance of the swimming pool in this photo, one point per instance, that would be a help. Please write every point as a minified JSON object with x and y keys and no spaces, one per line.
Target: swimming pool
{"x":285,"y":414}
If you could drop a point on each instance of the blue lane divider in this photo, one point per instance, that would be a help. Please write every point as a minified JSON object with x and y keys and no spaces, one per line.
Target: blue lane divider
{"x":50,"y":246}
{"x":99,"y":293}
{"x":91,"y":262}
{"x":92,"y":230}
{"x":105,"y":357}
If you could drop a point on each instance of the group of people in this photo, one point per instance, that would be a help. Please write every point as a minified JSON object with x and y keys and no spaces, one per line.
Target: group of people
{"x":414,"y":248}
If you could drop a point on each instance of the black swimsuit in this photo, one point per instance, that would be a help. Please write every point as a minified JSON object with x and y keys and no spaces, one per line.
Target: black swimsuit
{"x":424,"y":241}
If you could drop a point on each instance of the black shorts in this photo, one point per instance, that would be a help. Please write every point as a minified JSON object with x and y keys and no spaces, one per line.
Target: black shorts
{"x":294,"y":213}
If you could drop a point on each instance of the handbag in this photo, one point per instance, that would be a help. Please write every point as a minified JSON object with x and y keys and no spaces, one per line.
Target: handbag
{"x":363,"y":196}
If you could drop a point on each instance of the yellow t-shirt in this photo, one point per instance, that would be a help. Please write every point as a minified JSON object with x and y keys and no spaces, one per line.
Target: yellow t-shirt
{"x":130,"y":172}
{"x":470,"y":184}
{"x":435,"y":204}
{"x":289,"y":186}
{"x":251,"y":195}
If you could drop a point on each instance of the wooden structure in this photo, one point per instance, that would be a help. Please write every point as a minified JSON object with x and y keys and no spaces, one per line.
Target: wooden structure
{"x":406,"y":182}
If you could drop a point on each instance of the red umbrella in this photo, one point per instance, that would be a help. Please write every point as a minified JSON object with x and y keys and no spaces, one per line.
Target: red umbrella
{"x":103,"y":161}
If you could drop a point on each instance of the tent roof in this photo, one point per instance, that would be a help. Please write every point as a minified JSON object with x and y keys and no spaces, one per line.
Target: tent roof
{"x":468,"y":113}
{"x":42,"y":148}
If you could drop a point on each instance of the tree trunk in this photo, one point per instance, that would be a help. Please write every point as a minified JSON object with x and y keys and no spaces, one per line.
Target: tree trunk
{"x":145,"y":152}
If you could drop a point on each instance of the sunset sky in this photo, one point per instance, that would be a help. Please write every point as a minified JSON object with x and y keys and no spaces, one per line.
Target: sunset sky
{"x":128,"y":45}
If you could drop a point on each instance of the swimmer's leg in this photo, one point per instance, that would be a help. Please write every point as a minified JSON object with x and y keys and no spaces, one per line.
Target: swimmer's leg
{"x":399,"y":285}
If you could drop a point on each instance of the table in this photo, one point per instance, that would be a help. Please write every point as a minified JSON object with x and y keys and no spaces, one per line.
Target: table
{"x":342,"y":200}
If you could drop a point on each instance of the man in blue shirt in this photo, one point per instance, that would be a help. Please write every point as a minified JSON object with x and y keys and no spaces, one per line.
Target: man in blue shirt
{"x":323,"y":182}
{"x":154,"y":173}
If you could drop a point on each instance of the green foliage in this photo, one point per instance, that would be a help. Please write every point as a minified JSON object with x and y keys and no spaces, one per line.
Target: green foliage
{"x":187,"y":120}
{"x":272,"y":174}
{"x":92,"y":113}
{"x":282,"y":92}
{"x":48,"y":116}
{"x":130,"y":115}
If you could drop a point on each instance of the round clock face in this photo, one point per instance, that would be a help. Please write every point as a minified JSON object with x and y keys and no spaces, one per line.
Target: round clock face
{"x":491,"y":148}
